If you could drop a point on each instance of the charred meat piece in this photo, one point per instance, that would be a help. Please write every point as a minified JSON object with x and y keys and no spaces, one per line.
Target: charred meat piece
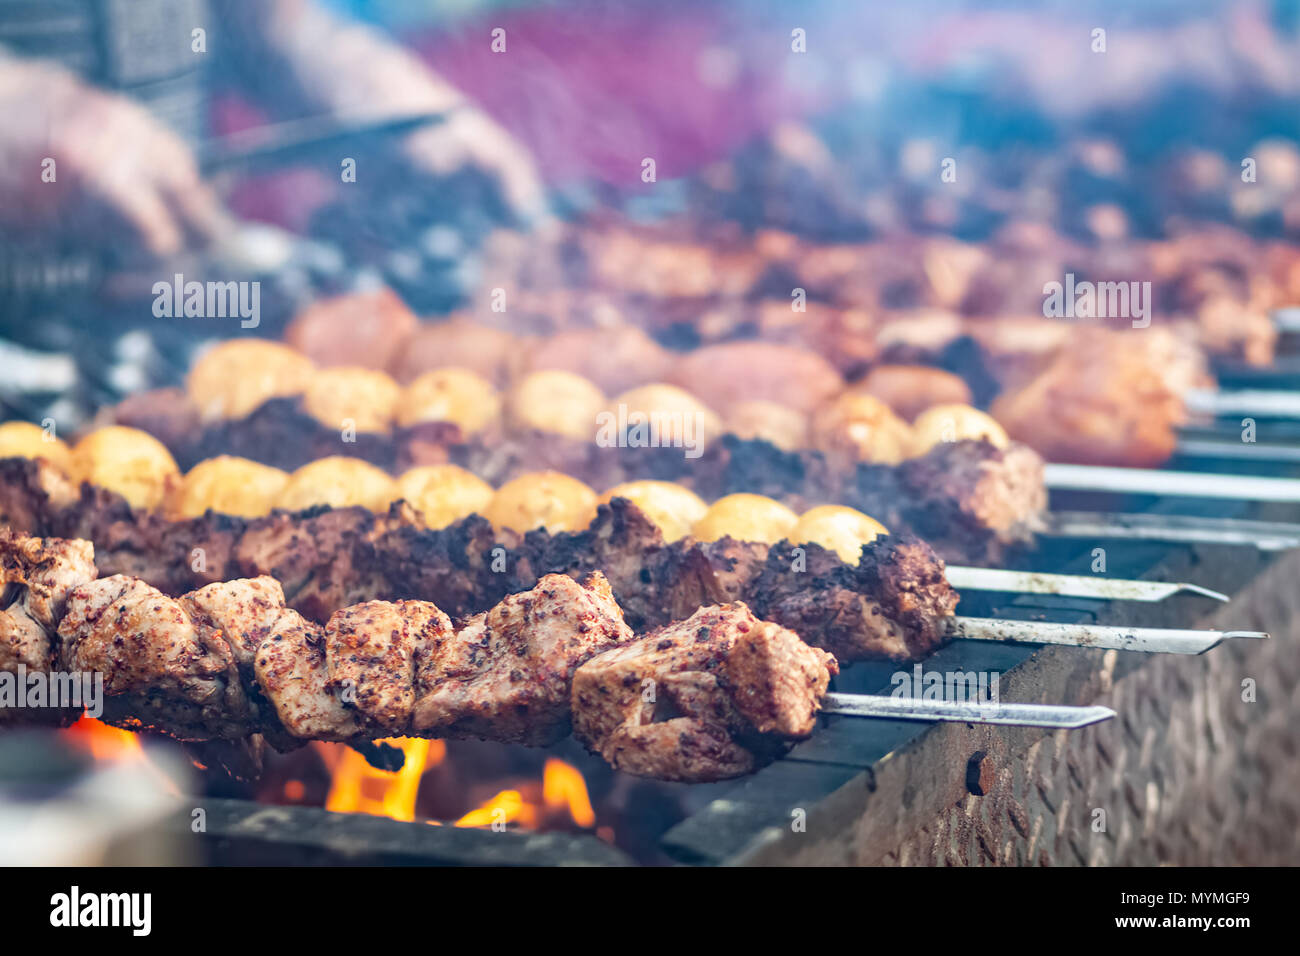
{"x":891,"y":604}
{"x":162,"y":669}
{"x":506,"y":674}
{"x":969,"y":500}
{"x":704,"y":699}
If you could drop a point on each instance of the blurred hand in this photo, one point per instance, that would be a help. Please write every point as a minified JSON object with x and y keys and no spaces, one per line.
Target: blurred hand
{"x":112,"y":159}
{"x":470,"y":138}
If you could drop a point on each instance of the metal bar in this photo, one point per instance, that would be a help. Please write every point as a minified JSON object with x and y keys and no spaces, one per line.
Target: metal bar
{"x":1150,"y":640}
{"x":1245,"y":451}
{"x":280,"y":143}
{"x":1151,"y":481}
{"x":1183,"y":529}
{"x":1266,"y":403}
{"x":1057,"y":716}
{"x":1070,"y":585}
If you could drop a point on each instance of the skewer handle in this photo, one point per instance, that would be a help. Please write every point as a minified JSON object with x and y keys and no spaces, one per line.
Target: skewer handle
{"x":1055,"y":716}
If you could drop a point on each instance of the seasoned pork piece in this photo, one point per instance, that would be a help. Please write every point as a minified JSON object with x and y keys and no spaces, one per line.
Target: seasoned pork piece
{"x":293,"y":674}
{"x":373,"y":652}
{"x":245,"y":611}
{"x":506,"y":674}
{"x":36,"y":576}
{"x":892,"y":604}
{"x":162,"y":669}
{"x":703,"y":699}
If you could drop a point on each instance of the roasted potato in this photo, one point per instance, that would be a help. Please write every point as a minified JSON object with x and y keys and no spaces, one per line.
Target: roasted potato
{"x":615,"y":359}
{"x":455,"y":395}
{"x":366,"y":329}
{"x":232,"y":379}
{"x":339,"y":482}
{"x":863,"y":428}
{"x":542,"y":499}
{"x":659,"y":415}
{"x":672,"y":508}
{"x":722,"y":375}
{"x":557,"y":402}
{"x":746,"y":517}
{"x":126,"y":460}
{"x":781,"y":425}
{"x":229,"y":485}
{"x":839,"y":529}
{"x":949,"y":423}
{"x":445,"y":493}
{"x":459,"y":343}
{"x":365,"y":397}
{"x":911,"y":389}
{"x":25,"y":440}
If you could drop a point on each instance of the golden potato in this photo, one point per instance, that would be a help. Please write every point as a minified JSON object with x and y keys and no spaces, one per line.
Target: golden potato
{"x":554,"y":401}
{"x":839,"y":529}
{"x":781,"y":425}
{"x":455,"y":395}
{"x":229,"y":485}
{"x":659,"y":415}
{"x":746,"y":517}
{"x":362,"y":396}
{"x":542,"y":499}
{"x":232,"y":379}
{"x":445,"y":493}
{"x":863,"y":427}
{"x":339,"y":482}
{"x":126,"y":460}
{"x":25,"y":440}
{"x":672,"y":508}
{"x":948,"y":423}
{"x":731,"y":372}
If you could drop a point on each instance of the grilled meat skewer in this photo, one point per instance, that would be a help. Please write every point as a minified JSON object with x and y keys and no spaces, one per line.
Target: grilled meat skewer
{"x":230,"y":660}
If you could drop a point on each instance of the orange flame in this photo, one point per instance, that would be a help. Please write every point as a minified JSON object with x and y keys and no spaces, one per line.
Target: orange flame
{"x":355,"y":782}
{"x":563,"y":788}
{"x":105,"y":742}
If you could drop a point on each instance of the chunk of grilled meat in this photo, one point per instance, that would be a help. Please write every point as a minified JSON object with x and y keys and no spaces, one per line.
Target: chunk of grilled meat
{"x":703,"y":699}
{"x":36,"y":577}
{"x":162,"y":669}
{"x":506,"y":675}
{"x":890,"y":605}
{"x":381,"y":655}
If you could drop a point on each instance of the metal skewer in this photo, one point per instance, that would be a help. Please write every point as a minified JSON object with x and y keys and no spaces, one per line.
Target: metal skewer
{"x":1070,"y":585}
{"x":1262,"y":402}
{"x":1151,"y":640}
{"x":1244,"y":451}
{"x":1186,"y":529}
{"x":1150,"y":481}
{"x":1057,"y":716}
